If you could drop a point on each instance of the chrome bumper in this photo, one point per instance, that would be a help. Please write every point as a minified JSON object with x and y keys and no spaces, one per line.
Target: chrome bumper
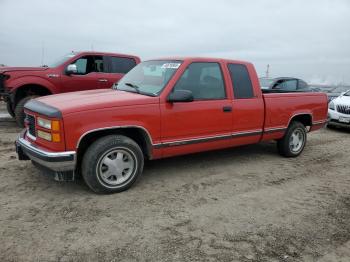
{"x":55,"y":161}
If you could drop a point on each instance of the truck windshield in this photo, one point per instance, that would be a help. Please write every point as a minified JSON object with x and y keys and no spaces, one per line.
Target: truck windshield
{"x":61,"y":60}
{"x":148,"y":77}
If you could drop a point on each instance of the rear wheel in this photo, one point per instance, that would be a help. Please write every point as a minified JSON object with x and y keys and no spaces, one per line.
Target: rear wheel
{"x":112,"y":164}
{"x":19,"y":110}
{"x":293,"y":142}
{"x":9,"y":108}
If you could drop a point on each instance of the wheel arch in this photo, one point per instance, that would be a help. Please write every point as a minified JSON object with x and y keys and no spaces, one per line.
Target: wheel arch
{"x":137,"y":133}
{"x":304,"y":118}
{"x":28,"y":90}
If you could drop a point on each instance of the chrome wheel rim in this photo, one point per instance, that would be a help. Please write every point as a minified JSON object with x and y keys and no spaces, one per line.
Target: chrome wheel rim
{"x":296,"y":141}
{"x":116,"y":167}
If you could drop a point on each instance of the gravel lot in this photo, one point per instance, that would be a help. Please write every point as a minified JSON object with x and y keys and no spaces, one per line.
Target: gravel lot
{"x":242,"y":204}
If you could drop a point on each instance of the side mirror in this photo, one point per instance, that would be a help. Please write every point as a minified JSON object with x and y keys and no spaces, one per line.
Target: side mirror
{"x":71,"y":69}
{"x":180,"y":96}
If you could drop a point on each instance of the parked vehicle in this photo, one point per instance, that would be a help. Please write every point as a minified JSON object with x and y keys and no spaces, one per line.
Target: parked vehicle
{"x":265,"y":82}
{"x":73,"y":72}
{"x":336,"y":92}
{"x":163,"y":108}
{"x":284,"y":84}
{"x":339,"y":111}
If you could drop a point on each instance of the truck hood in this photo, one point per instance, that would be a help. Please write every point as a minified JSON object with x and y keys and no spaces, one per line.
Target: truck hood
{"x":11,"y":69}
{"x":95,"y":99}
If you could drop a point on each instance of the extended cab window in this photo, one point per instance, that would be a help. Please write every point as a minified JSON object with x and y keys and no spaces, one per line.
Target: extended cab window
{"x":242,"y":86}
{"x":120,"y":64}
{"x":88,"y":64}
{"x":204,"y":80}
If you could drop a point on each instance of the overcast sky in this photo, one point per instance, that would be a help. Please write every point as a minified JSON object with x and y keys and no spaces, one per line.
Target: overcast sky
{"x":302,"y":38}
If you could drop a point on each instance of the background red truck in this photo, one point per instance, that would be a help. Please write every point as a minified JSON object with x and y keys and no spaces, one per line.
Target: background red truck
{"x":74,"y":72}
{"x":163,"y":108}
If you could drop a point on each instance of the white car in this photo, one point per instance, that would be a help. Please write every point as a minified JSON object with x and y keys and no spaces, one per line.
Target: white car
{"x":339,"y":111}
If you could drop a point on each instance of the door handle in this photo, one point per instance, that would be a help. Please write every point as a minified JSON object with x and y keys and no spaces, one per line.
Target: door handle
{"x":227,"y":109}
{"x":102,"y":80}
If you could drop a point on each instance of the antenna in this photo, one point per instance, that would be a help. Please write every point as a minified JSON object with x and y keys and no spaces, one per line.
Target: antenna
{"x":42,"y":52}
{"x":267,"y":73}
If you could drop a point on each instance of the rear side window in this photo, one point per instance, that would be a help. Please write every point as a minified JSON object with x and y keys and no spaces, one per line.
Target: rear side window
{"x":302,"y":85}
{"x":242,"y":86}
{"x":120,"y":64}
{"x":286,"y":84}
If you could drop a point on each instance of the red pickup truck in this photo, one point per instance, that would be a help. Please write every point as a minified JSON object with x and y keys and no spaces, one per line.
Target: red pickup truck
{"x":73,"y":72}
{"x":163,"y":108}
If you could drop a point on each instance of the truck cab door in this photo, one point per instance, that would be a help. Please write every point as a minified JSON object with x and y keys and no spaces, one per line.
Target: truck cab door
{"x":247,"y":106}
{"x":88,"y":76}
{"x":203,"y":124}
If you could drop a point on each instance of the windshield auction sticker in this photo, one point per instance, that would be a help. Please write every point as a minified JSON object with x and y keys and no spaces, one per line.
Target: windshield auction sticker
{"x":171,"y":65}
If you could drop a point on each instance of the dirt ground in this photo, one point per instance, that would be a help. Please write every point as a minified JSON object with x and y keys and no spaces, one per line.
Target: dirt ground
{"x":241,"y":204}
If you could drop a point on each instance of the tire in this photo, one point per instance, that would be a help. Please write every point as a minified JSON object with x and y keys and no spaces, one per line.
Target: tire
{"x":112,"y":164}
{"x":294,"y":140}
{"x":9,"y":109}
{"x":19,"y":110}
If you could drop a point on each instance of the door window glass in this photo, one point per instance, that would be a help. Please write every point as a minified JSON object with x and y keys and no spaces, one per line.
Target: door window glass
{"x":289,"y":85}
{"x":88,"y":64}
{"x":204,"y":80}
{"x":302,"y":85}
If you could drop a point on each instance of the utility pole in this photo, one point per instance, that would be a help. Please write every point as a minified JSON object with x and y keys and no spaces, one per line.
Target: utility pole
{"x":267,"y":73}
{"x":42,"y":52}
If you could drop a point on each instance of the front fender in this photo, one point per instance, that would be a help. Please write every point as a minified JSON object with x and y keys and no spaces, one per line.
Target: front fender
{"x":17,"y":83}
{"x":79,"y":124}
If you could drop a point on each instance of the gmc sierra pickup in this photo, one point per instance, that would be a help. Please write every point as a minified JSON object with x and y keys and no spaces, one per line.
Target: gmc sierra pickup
{"x":163,"y":108}
{"x":73,"y":72}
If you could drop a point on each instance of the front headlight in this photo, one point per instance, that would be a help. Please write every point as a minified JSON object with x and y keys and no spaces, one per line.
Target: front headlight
{"x":48,"y":124}
{"x":53,"y":137}
{"x":331,"y":106}
{"x":44,"y":135}
{"x":45,"y":123}
{"x":52,"y":129}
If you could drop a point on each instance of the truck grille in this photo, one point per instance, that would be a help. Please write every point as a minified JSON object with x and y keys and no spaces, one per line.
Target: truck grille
{"x":344,"y":109}
{"x":31,"y":125}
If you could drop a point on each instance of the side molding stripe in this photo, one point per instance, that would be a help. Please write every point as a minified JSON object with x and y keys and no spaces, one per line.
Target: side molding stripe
{"x":274,"y":130}
{"x":207,"y":139}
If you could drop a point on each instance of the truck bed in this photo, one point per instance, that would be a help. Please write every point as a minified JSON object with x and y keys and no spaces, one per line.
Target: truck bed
{"x":280,"y":107}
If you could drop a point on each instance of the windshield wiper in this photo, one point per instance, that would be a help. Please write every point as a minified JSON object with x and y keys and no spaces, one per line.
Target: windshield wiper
{"x":137,"y":88}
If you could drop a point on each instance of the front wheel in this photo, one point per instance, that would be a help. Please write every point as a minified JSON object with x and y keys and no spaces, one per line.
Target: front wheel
{"x":293,"y":142}
{"x":112,"y":164}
